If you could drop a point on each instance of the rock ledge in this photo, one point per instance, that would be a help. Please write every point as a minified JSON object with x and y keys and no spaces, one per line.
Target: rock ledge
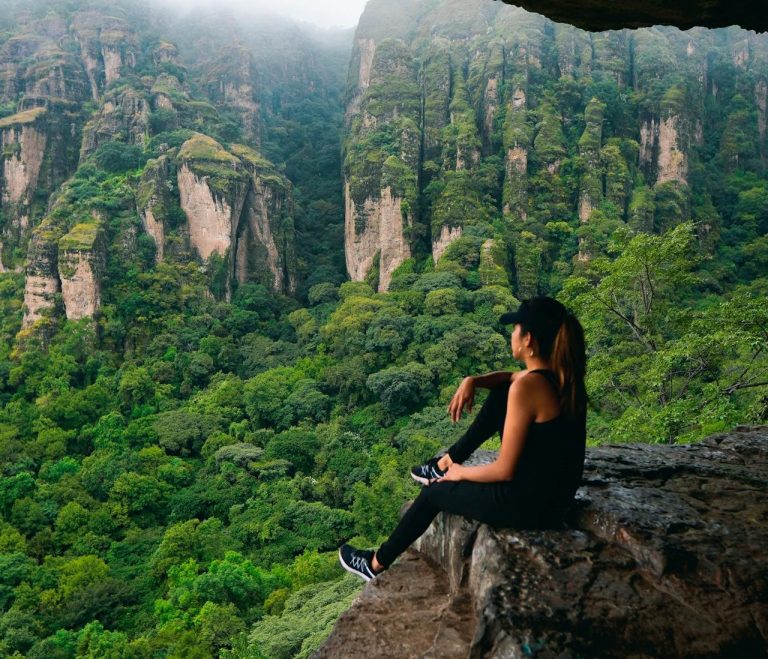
{"x":662,"y":555}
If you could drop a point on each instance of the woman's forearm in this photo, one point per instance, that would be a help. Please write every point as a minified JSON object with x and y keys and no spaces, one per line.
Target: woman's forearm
{"x":490,"y":380}
{"x":487,"y":473}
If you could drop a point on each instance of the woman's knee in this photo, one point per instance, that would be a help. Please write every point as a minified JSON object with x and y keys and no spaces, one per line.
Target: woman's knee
{"x":500,"y":392}
{"x":438,"y":494}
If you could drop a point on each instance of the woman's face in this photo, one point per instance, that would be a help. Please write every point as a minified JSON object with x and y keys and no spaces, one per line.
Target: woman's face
{"x":515,"y":342}
{"x":519,"y":342}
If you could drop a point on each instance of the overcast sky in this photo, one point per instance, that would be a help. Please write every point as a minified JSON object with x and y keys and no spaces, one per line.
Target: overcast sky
{"x":335,"y":13}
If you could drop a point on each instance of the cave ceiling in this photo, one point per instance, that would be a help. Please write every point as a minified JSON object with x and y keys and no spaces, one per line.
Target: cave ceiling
{"x":597,"y":15}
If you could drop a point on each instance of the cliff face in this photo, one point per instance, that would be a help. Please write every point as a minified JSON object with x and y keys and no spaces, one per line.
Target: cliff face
{"x":37,"y":154}
{"x":265,"y":230}
{"x":125,"y":113}
{"x":107,"y":43}
{"x":42,"y":281}
{"x":154,"y":201}
{"x":230,"y":83}
{"x":239,"y":207}
{"x":81,"y":260}
{"x":66,"y":263}
{"x":102,"y":89}
{"x":23,"y":139}
{"x":380,"y":185}
{"x":661,"y":556}
{"x":212,"y":190}
{"x":48,"y":69}
{"x":521,"y":121}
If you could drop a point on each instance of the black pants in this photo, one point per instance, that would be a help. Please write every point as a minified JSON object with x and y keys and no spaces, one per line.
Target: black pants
{"x":500,"y":504}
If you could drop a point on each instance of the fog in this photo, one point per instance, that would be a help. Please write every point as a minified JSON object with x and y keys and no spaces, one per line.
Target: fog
{"x":338,"y":13}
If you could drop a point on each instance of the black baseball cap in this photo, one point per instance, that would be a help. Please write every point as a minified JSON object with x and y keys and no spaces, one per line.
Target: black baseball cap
{"x":542,"y":315}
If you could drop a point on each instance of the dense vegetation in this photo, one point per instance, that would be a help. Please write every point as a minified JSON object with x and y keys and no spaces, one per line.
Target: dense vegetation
{"x":176,"y":475}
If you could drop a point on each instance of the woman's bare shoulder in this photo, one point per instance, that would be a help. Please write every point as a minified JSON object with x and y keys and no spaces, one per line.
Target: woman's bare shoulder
{"x":517,"y":374}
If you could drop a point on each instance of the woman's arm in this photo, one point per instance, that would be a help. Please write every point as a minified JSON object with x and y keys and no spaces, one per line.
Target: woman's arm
{"x":520,"y":415}
{"x":490,"y":380}
{"x":465,"y":394}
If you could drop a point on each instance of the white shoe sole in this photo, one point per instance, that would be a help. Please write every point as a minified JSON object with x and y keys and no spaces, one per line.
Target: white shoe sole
{"x":353,"y":570}
{"x":420,"y":479}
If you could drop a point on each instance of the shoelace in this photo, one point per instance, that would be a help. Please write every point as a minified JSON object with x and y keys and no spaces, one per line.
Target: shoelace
{"x":359,"y":562}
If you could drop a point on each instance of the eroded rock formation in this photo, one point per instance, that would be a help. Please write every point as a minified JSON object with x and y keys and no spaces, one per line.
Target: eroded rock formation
{"x":380,"y":190}
{"x":81,"y":259}
{"x":70,"y":263}
{"x":233,"y":86}
{"x":662,"y":555}
{"x":42,"y":281}
{"x":265,"y":233}
{"x":238,"y":207}
{"x":125,"y":113}
{"x":211,"y":216}
{"x":441,"y":243}
{"x":153,"y":201}
{"x":381,"y":236}
{"x":107,"y":43}
{"x":496,"y":138}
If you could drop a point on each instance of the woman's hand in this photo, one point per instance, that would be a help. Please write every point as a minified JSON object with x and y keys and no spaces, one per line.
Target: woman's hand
{"x":465,"y":395}
{"x":445,"y":462}
{"x":455,"y":473}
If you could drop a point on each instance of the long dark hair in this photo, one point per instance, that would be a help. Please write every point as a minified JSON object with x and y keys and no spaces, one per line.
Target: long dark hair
{"x":569,"y":361}
{"x":568,"y":356}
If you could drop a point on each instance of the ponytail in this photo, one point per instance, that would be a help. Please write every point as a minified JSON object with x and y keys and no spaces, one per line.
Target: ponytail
{"x":570,"y":363}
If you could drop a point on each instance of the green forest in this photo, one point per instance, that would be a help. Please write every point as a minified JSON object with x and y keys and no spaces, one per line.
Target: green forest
{"x":185,"y":443}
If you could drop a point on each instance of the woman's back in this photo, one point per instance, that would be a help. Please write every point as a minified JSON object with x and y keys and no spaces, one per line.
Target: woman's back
{"x":552,"y":462}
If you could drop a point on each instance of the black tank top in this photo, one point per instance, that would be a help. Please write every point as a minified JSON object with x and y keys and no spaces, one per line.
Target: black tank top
{"x":552,"y":462}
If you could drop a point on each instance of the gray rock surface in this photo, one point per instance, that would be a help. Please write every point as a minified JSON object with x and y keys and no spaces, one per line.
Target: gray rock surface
{"x":599,"y":15}
{"x":663,"y":555}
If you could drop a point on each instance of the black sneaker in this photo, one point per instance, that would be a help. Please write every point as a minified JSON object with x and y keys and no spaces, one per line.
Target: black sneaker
{"x":357,"y":561}
{"x":427,"y":473}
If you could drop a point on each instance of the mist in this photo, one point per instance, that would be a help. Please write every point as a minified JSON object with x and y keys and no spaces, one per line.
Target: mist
{"x":337,"y":14}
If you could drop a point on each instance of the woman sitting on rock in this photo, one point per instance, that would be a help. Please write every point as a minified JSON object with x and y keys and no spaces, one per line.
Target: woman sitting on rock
{"x":540,"y":413}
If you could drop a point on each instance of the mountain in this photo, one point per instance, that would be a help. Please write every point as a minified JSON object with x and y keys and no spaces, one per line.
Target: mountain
{"x":200,"y":109}
{"x":512,"y":146}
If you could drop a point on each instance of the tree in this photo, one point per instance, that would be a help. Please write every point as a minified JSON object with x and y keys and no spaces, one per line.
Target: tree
{"x":236,"y":581}
{"x":183,"y":433}
{"x":296,"y":446}
{"x":656,"y":362}
{"x":306,"y":403}
{"x":117,"y":157}
{"x":305,"y":622}
{"x":192,"y":538}
{"x":401,"y":389}
{"x":143,"y":497}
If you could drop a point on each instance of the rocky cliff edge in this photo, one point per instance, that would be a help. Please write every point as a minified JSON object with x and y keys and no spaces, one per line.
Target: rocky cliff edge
{"x":663,"y":555}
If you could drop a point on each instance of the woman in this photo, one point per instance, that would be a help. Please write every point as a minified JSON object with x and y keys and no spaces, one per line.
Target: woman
{"x":540,"y":413}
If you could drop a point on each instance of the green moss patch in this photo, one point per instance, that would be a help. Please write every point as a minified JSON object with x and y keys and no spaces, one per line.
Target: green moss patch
{"x":25,"y":117}
{"x":251,"y":156}
{"x":169,"y":86}
{"x":203,"y":148}
{"x":81,"y":237}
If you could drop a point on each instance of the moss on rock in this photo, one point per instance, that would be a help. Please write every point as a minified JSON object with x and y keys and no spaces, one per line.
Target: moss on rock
{"x":81,"y":237}
{"x":20,"y":118}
